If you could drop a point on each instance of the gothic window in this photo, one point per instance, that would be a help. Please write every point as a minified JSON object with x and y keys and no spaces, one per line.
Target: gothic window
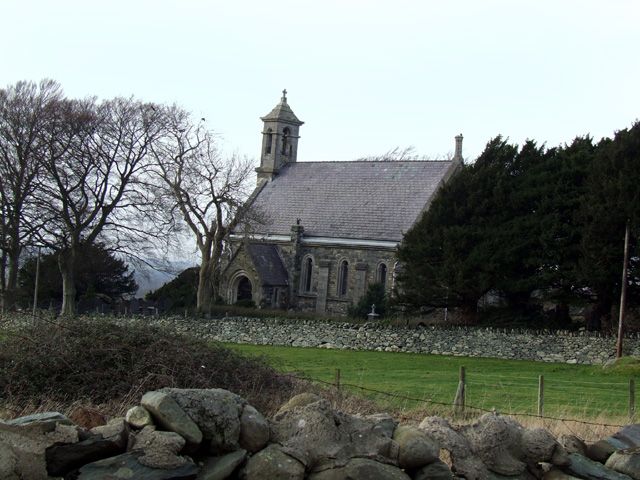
{"x":307,"y":271}
{"x":285,"y":141}
{"x":343,"y":278}
{"x":269,"y":141}
{"x":381,"y":274}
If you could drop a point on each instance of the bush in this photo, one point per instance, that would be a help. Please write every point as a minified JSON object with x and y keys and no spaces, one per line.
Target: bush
{"x":100,"y":362}
{"x":247,"y":303}
{"x":375,"y":296}
{"x":179,"y":293}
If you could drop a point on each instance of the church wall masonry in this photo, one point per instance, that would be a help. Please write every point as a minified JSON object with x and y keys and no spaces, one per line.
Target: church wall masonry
{"x":362,"y":267}
{"x":324,"y":294}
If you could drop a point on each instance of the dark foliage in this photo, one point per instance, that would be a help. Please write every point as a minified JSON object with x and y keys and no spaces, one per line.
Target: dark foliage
{"x":179,"y":293}
{"x":98,"y":273}
{"x":99,"y":361}
{"x":525,"y":220}
{"x":375,"y":295}
{"x":245,"y":303}
{"x":612,"y":196}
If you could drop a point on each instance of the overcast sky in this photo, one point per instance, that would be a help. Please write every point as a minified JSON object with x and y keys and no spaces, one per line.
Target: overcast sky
{"x":364,"y":76}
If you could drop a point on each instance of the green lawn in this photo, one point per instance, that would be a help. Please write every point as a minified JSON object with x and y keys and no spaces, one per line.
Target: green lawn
{"x":507,"y":385}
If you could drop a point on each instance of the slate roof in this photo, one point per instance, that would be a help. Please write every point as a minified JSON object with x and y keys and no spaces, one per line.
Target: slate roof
{"x":268,"y":264}
{"x":357,"y":200}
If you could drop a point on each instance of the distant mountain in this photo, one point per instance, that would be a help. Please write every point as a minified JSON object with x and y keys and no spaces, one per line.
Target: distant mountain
{"x":149,"y":279}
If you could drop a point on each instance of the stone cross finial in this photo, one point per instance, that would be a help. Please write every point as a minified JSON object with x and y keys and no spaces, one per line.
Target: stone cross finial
{"x":284,"y":95}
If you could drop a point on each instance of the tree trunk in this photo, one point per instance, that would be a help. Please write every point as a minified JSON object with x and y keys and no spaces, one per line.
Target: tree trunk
{"x":66,"y":263}
{"x":205,"y":287}
{"x":209,"y":275}
{"x":10,"y":266}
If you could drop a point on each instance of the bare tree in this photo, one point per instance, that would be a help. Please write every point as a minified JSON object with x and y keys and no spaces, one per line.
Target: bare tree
{"x":395,"y":154}
{"x":94,"y":175}
{"x":25,"y":113}
{"x":208,"y":192}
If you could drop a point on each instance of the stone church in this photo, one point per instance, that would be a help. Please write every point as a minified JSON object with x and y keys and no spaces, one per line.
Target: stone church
{"x":327,"y":230}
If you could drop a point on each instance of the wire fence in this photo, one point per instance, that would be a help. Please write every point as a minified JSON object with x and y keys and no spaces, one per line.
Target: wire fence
{"x":587,"y":429}
{"x":514,"y":388}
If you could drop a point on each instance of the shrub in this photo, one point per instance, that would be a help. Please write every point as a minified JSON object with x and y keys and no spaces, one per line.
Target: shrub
{"x":246,"y":303}
{"x":179,"y":293}
{"x":100,"y":362}
{"x":375,"y":296}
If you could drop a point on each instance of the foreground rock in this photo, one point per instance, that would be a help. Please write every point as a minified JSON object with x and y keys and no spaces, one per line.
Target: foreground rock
{"x":214,"y":434}
{"x":128,"y":466}
{"x":24,"y":442}
{"x":219,"y":468}
{"x":320,"y":438}
{"x":626,"y":461}
{"x":585,"y":468}
{"x":63,"y":458}
{"x":224,"y":418}
{"x":415,"y":448}
{"x":168,"y":414}
{"x":273,"y":463}
{"x":362,"y":468}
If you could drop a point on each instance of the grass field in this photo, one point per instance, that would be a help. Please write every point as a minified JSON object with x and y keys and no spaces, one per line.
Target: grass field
{"x":577,"y":391}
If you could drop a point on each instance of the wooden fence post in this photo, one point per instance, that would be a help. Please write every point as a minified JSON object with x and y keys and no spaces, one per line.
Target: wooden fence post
{"x":337,"y":380}
{"x":540,"y":395}
{"x":632,"y":398}
{"x":459,"y":400}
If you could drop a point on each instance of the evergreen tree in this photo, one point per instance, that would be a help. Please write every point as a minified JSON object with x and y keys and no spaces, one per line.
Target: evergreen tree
{"x":530,"y":219}
{"x":494,"y":227}
{"x":612,"y":198}
{"x":563,"y":177}
{"x":180,"y":292}
{"x":98,"y":273}
{"x":448,"y":257}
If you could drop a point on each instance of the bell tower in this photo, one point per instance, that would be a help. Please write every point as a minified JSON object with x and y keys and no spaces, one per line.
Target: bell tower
{"x":279,"y":140}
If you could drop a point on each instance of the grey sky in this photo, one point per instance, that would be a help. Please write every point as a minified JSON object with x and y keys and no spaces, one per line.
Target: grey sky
{"x":365,"y":76}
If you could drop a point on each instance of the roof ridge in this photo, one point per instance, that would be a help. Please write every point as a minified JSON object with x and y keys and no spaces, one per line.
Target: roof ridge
{"x":374,"y":161}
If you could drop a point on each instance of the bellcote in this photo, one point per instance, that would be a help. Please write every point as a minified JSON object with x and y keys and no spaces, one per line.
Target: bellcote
{"x":279,"y":139}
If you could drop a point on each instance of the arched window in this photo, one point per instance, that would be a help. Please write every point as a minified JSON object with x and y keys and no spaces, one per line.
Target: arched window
{"x":285,"y":141}
{"x":307,"y":271}
{"x":381,"y":274}
{"x":343,"y":278}
{"x":268,"y":141}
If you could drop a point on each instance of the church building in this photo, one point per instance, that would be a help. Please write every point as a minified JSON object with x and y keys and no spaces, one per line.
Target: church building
{"x":325,"y":230}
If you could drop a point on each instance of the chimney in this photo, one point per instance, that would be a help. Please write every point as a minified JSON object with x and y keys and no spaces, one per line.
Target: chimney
{"x":458,"y":155}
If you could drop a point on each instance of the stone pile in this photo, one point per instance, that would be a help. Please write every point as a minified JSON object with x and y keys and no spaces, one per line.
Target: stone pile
{"x":214,"y":434}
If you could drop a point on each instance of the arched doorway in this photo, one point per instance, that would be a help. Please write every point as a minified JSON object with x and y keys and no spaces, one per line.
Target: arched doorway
{"x":243,"y":290}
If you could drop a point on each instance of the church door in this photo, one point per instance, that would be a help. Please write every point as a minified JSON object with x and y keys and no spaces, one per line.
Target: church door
{"x":244,"y":289}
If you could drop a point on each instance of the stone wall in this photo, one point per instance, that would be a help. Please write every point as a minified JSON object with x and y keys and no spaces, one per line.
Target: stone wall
{"x":566,"y":347}
{"x":213,"y":434}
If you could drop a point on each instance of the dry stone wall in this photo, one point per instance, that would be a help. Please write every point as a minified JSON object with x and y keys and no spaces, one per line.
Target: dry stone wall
{"x":565,"y":347}
{"x":213,"y":434}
